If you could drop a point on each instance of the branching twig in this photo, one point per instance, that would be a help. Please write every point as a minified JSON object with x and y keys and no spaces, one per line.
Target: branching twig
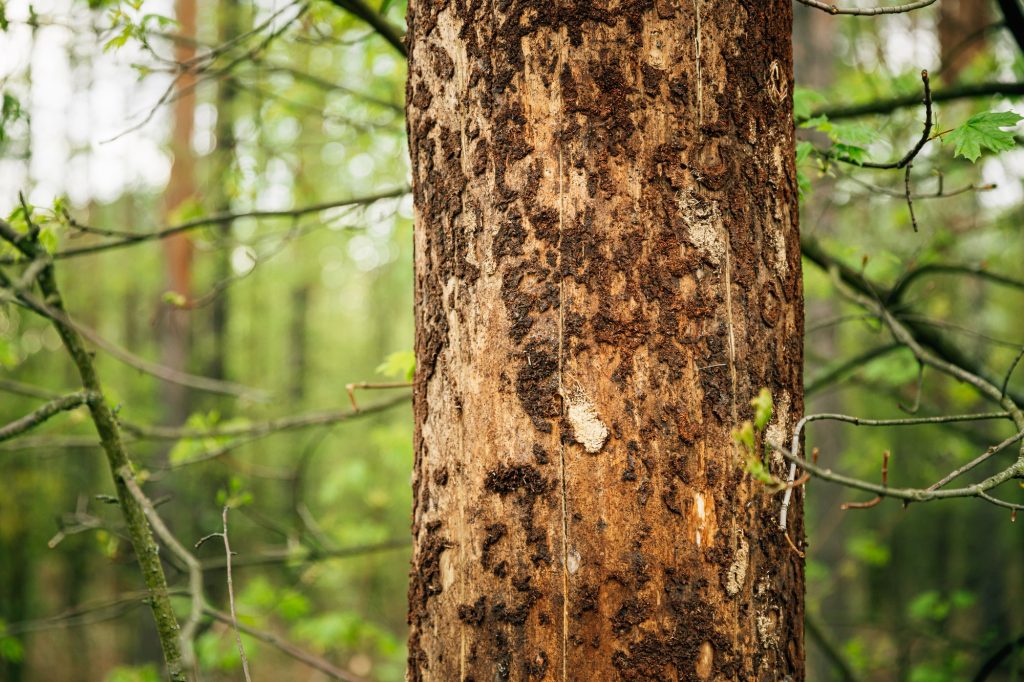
{"x":59,"y":316}
{"x":888,"y":105}
{"x":859,"y":421}
{"x":128,"y":238}
{"x":367,"y":385}
{"x":231,"y":593}
{"x":146,"y":550}
{"x":195,"y":570}
{"x":286,"y":647}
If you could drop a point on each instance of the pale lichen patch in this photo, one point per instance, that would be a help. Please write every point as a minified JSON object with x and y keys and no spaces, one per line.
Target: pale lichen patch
{"x":766,"y":630}
{"x":587,"y":427}
{"x":572,"y":561}
{"x":777,"y":431}
{"x":705,"y":231}
{"x":737,"y":573}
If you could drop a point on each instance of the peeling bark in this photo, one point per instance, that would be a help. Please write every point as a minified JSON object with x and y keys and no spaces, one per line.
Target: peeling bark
{"x":607,"y":271}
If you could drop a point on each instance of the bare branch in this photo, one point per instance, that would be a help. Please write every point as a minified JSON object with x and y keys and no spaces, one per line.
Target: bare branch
{"x":195,"y":571}
{"x":130,"y":238}
{"x":60,"y":316}
{"x":146,"y":549}
{"x":231,"y":596}
{"x":888,"y":105}
{"x":867,"y":11}
{"x":287,"y":555}
{"x":381,"y":25}
{"x":40,"y":415}
{"x":286,"y":647}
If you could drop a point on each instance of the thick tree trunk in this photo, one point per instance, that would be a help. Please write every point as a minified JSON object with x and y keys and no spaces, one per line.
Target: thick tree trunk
{"x":607,"y":271}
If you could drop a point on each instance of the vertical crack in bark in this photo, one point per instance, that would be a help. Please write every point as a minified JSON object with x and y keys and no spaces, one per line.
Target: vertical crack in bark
{"x":561,"y":343}
{"x":731,"y":325}
{"x":700,"y":80}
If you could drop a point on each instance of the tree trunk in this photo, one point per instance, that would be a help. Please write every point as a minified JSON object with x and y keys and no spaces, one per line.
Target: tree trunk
{"x":962,"y":34}
{"x":181,"y":188}
{"x":607,"y":271}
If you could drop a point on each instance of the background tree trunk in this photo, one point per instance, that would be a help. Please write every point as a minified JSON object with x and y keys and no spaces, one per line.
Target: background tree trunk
{"x":962,"y":34}
{"x":181,"y":188}
{"x":607,"y":271}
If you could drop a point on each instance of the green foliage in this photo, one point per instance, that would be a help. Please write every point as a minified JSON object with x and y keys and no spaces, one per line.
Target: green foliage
{"x":762,"y":405}
{"x":804,"y":101}
{"x":849,"y":140}
{"x":865,"y":547}
{"x":132,"y":24}
{"x":235,"y":495}
{"x":217,"y":649}
{"x":188,"y":449}
{"x":746,"y":435}
{"x":346,"y":630}
{"x":141,"y":673}
{"x":984,"y":131}
{"x":10,"y":111}
{"x":11,"y":648}
{"x":400,"y":365}
{"x":933,"y":606}
{"x":804,"y":150}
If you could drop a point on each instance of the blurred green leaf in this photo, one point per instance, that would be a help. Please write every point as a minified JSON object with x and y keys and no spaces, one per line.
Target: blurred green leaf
{"x":762,"y":405}
{"x":399,"y":365}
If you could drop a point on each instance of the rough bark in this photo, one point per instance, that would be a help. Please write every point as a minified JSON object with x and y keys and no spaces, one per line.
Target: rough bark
{"x":607,"y":271}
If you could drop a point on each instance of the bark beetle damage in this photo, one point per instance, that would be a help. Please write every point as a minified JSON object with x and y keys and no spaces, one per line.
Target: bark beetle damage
{"x":605,"y":203}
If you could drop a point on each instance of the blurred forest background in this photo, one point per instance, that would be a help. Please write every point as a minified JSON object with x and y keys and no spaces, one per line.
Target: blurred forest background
{"x":288,"y":129}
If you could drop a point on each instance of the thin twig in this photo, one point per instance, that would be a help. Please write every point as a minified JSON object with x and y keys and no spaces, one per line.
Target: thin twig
{"x":231,"y":596}
{"x":860,"y":421}
{"x":40,"y":415}
{"x":1009,"y":372}
{"x":286,"y":647}
{"x":888,"y":105}
{"x":388,"y":31}
{"x":129,"y":238}
{"x":366,"y":385}
{"x":867,"y":11}
{"x":877,"y":498}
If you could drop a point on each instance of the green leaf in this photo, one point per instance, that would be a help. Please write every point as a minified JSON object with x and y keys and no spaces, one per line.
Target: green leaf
{"x":400,"y":365}
{"x":762,"y":405}
{"x":984,"y":131}
{"x":850,"y":152}
{"x":853,"y":133}
{"x":804,"y":101}
{"x":11,"y":649}
{"x":803,"y":151}
{"x":759,"y":472}
{"x":928,"y":605}
{"x":866,"y":548}
{"x":744,"y":436}
{"x":176,"y":299}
